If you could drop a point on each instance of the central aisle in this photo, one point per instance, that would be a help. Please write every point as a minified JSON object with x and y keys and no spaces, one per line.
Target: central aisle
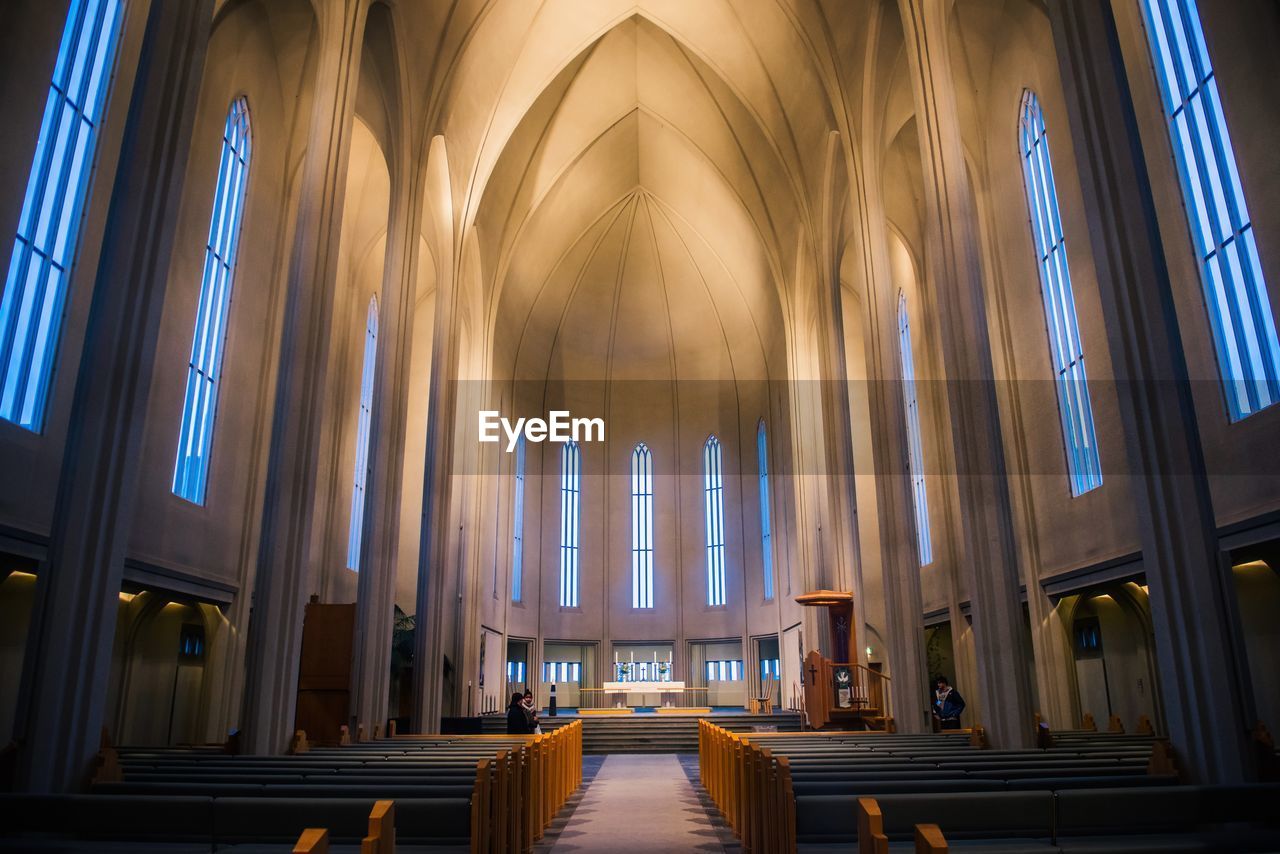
{"x":639,"y":802}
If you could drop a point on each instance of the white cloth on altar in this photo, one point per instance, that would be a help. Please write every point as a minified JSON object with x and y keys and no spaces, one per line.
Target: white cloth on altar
{"x":642,"y":687}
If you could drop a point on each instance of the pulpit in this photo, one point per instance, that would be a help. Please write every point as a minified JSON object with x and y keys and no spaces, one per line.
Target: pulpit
{"x":841,"y":694}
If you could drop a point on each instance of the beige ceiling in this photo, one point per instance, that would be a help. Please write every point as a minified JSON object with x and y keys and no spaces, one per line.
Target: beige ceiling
{"x":639,"y":222}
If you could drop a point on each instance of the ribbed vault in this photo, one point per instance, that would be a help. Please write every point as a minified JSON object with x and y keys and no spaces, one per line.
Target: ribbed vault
{"x":638,"y":224}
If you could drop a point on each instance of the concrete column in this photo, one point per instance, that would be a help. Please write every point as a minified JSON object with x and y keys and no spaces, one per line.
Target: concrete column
{"x":68,"y":660}
{"x":1188,"y":576}
{"x":435,"y":557}
{"x":375,"y":599}
{"x":899,"y":552}
{"x":989,"y":548}
{"x":288,"y":557}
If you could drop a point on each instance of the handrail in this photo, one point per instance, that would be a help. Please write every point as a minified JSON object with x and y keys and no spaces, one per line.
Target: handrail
{"x":865,"y":693}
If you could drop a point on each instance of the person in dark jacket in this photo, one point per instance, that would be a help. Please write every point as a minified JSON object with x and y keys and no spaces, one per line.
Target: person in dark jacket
{"x":531,"y":714}
{"x":947,"y":704}
{"x":517,"y":717}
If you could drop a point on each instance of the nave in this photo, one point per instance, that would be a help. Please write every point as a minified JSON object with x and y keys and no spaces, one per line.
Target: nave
{"x":406,"y":403}
{"x":756,"y":789}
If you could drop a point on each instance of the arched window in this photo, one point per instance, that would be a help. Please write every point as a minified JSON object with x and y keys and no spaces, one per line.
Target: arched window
{"x":363,"y":422}
{"x":204,"y":371}
{"x":517,"y":526}
{"x":766,"y":532}
{"x":1239,"y":307}
{"x":713,"y":497}
{"x":1074,"y":406}
{"x":570,"y":513}
{"x":915,"y":449}
{"x":35,"y":288}
{"x":641,"y":527}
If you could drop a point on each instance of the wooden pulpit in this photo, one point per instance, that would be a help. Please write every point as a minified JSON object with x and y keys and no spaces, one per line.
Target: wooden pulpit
{"x":841,"y":694}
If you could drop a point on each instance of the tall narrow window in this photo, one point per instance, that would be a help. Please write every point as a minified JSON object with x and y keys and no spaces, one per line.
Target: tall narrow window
{"x":517,"y":526}
{"x":361,"y":479}
{"x":713,"y":496}
{"x":1239,"y":308}
{"x":766,"y":532}
{"x":35,"y":288}
{"x":570,"y":513}
{"x":204,"y":372}
{"x":641,"y":527}
{"x":915,"y":449}
{"x":1083,"y":465}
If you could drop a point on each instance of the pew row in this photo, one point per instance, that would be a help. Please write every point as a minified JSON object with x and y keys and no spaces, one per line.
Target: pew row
{"x":480,"y":793}
{"x":780,"y":790}
{"x":1177,"y":819}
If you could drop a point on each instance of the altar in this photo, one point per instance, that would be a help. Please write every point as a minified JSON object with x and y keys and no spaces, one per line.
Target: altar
{"x":639,"y":694}
{"x":644,"y":693}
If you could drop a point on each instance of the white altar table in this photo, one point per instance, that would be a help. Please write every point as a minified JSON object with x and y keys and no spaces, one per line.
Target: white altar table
{"x":635,"y":693}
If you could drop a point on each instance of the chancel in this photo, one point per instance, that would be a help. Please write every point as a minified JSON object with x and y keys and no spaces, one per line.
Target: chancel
{"x":504,"y":426}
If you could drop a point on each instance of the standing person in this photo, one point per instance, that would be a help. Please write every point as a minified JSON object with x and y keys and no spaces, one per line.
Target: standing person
{"x":532,"y":714}
{"x":517,"y":716}
{"x":947,"y":703}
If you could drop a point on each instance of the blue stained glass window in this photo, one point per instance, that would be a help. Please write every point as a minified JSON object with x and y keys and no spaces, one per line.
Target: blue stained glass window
{"x":204,"y":372}
{"x":641,"y":527}
{"x":713,"y":513}
{"x":766,"y":531}
{"x":1239,"y":308}
{"x":915,"y":449}
{"x":570,"y":514}
{"x":517,"y":527}
{"x":35,"y":288}
{"x":1074,"y":405}
{"x":363,"y":424}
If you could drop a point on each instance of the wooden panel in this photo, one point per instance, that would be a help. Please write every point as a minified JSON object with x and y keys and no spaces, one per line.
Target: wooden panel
{"x":324,"y":672}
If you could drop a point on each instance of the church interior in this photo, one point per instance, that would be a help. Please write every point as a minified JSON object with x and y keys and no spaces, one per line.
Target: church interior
{"x":510,"y":426}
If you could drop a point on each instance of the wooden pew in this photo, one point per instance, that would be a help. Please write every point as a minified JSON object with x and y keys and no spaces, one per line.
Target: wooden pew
{"x":382,"y":829}
{"x":871,"y":836}
{"x":481,"y":808}
{"x":314,"y":840}
{"x":929,"y":840}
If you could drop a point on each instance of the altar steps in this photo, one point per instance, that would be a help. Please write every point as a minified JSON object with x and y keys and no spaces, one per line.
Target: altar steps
{"x":650,"y":733}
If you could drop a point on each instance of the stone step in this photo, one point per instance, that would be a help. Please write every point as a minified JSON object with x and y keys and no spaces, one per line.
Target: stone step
{"x":643,"y":733}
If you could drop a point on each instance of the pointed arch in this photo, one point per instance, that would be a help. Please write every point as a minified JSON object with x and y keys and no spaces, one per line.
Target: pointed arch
{"x":766,"y":528}
{"x":570,"y":517}
{"x":35,"y":286}
{"x":641,"y":527}
{"x":915,"y":447}
{"x":204,"y":372}
{"x":1065,"y":344}
{"x":360,"y":480}
{"x":713,"y":516}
